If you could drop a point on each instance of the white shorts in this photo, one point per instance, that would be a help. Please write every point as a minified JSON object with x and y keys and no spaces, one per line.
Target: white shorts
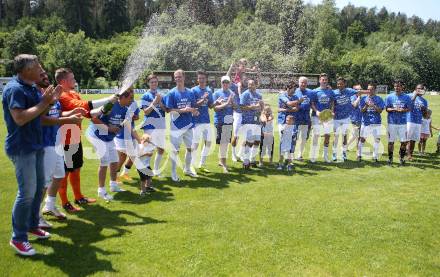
{"x":340,"y":126}
{"x":321,"y":128}
{"x":280,"y":129}
{"x":122,"y":146}
{"x":106,"y":150}
{"x":202,"y":131}
{"x":397,"y":132}
{"x":179,"y":135}
{"x":53,"y":165}
{"x":302,"y":132}
{"x":158,"y":137}
{"x":236,"y":124}
{"x":374,"y":130}
{"x":413,"y":130}
{"x":252,"y":132}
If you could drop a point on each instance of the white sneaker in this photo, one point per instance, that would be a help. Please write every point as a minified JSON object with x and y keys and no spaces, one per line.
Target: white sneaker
{"x":174,"y":177}
{"x":116,"y":188}
{"x":42,"y":223}
{"x":157,"y":174}
{"x":234,"y":158}
{"x":313,"y":160}
{"x":191,"y":173}
{"x":104,"y":195}
{"x":53,"y":211}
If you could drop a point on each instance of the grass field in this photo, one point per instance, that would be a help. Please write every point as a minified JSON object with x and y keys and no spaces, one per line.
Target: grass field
{"x":345,"y":219}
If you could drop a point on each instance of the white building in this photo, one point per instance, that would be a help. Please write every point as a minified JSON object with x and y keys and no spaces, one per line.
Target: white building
{"x":3,"y":82}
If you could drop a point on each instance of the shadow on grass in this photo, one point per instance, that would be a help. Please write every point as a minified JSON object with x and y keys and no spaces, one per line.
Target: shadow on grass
{"x":80,"y":257}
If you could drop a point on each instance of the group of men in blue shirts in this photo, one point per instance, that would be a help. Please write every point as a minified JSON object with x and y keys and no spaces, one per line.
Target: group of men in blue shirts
{"x":237,"y":111}
{"x":352,"y":107}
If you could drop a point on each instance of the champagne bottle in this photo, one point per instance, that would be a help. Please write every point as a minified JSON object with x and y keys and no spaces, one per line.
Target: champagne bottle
{"x":107,"y":108}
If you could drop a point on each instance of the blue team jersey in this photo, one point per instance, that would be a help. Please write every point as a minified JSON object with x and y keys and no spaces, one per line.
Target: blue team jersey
{"x":371,"y":116}
{"x":323,"y":99}
{"x":125,"y":132}
{"x":303,"y":115}
{"x":203,"y":117}
{"x":29,"y":137}
{"x":355,"y":116}
{"x":115,"y":118}
{"x":397,"y":101}
{"x":178,"y":100}
{"x":50,"y":132}
{"x":283,"y":98}
{"x":419,"y":105}
{"x":234,"y":88}
{"x":248,"y":98}
{"x":343,"y":106}
{"x":223,"y":116}
{"x":156,"y":118}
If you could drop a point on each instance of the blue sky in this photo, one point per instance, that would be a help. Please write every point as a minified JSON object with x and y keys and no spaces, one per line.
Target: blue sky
{"x":424,"y":9}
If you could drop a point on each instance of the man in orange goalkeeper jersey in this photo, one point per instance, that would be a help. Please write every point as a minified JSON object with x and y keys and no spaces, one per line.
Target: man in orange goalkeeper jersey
{"x":71,"y":137}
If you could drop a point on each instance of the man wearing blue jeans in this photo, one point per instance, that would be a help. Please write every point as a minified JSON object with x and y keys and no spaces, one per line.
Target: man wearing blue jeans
{"x":23,"y":105}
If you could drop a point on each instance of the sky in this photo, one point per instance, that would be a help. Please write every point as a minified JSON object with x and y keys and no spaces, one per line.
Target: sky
{"x":424,"y":9}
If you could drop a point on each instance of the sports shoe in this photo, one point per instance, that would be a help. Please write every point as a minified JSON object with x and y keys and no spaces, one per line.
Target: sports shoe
{"x":234,"y":158}
{"x":189,"y":172}
{"x":334,"y":157}
{"x":23,"y":248}
{"x":54,"y":212}
{"x":150,"y":189}
{"x":85,"y":200}
{"x":359,"y":158}
{"x":116,"y":188}
{"x":402,"y":162}
{"x":289,"y":168}
{"x":175,"y":177}
{"x":125,"y":177}
{"x":143,"y":193}
{"x":280,"y":167}
{"x":313,"y":160}
{"x":225,"y":169}
{"x":70,"y":208}
{"x":390,"y":162}
{"x":344,"y":156}
{"x":39,"y":233}
{"x":204,"y":169}
{"x":104,"y":195}
{"x":43,"y":224}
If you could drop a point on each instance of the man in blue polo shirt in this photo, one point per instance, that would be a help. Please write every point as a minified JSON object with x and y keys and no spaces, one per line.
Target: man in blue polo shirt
{"x":323,"y":100}
{"x":343,"y":110}
{"x":288,"y":103}
{"x":153,"y":105}
{"x":251,"y":104}
{"x":397,"y":105}
{"x":414,"y":117}
{"x":182,"y":106}
{"x":202,"y":127}
{"x":22,"y":106}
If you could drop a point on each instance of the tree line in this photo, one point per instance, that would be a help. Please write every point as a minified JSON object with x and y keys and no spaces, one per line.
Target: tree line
{"x":95,"y":37}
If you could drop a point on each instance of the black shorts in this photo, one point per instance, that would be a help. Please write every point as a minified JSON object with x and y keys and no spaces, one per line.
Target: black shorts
{"x":73,"y":159}
{"x":223,"y":133}
{"x":143,"y":176}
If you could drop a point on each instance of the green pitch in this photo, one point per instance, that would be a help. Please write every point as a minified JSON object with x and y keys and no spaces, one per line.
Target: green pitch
{"x":346,"y":219}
